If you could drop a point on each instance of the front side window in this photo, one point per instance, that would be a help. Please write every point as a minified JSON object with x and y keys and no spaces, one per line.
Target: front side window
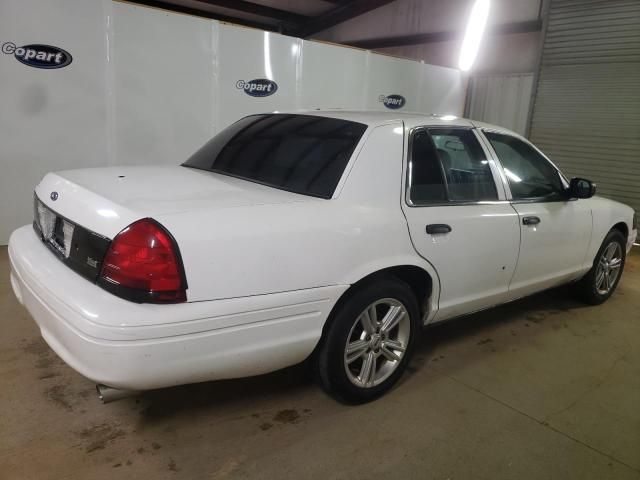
{"x":304,"y":154}
{"x":449,"y":165}
{"x":529,"y":174}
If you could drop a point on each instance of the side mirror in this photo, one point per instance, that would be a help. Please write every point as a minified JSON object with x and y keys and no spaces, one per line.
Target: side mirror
{"x":581,"y":188}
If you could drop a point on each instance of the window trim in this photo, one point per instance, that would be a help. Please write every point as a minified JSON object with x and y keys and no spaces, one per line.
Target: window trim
{"x":495,"y":173}
{"x":505,"y":181}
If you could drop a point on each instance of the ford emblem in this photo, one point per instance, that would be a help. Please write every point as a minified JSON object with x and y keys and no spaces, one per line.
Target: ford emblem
{"x":53,"y":196}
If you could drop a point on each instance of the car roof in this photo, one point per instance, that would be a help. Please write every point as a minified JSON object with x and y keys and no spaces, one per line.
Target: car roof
{"x":410,"y":119}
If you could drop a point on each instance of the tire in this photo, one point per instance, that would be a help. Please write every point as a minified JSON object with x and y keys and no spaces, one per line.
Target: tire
{"x":343,"y":374}
{"x":592,"y":288}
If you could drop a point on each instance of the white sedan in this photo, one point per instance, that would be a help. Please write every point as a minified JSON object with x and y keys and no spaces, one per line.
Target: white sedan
{"x":330,"y":236}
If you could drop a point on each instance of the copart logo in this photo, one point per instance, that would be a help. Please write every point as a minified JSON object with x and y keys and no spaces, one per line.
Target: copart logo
{"x":393,"y":102}
{"x":260,"y":87}
{"x":38,"y":56}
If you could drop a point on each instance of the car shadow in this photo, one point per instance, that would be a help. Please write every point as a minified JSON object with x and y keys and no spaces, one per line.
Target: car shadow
{"x":222,"y":394}
{"x":161,"y":404}
{"x":520,"y":316}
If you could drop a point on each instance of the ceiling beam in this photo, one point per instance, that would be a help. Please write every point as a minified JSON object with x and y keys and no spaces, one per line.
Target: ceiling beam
{"x":261,"y":10}
{"x":338,"y":2}
{"x":338,"y":15}
{"x":516,"y":27}
{"x":205,"y":13}
{"x":443,"y":36}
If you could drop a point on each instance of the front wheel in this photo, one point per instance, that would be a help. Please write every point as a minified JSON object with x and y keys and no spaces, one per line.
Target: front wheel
{"x":601,"y":281}
{"x":369,"y":341}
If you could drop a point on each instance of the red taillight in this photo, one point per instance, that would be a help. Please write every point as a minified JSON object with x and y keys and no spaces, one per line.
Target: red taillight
{"x":143,"y":264}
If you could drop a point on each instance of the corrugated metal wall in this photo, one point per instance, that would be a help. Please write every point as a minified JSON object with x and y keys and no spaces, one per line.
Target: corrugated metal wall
{"x":501,"y":99}
{"x":586,"y":114}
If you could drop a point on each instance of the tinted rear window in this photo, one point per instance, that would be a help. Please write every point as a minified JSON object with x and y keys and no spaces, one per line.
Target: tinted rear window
{"x":298,"y":153}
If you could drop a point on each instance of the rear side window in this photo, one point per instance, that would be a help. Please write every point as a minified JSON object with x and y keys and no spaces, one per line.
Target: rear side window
{"x":449,"y":165}
{"x":425,"y":172}
{"x":299,"y":153}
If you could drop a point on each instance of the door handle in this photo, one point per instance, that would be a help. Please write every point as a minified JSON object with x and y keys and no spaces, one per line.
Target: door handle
{"x":438,"y":228}
{"x":531,"y":220}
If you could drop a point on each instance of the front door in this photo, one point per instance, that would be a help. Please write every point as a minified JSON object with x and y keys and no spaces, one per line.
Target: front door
{"x":459,"y":219}
{"x":555,"y":231}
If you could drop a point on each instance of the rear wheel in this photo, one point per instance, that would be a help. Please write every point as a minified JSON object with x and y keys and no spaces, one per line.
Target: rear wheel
{"x":601,"y":281}
{"x":369,"y":341}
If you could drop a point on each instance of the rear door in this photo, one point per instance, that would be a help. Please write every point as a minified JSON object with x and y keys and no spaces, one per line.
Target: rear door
{"x":555,"y":231}
{"x":459,"y":218}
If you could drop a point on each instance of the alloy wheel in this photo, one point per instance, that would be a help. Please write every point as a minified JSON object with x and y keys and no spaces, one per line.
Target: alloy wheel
{"x":377,"y":342}
{"x":608,"y":269}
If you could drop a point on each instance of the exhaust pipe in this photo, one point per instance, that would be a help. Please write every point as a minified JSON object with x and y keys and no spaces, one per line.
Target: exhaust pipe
{"x":109,"y":394}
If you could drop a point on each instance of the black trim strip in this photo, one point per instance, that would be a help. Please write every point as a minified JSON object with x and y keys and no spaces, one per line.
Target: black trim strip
{"x":87,"y":249}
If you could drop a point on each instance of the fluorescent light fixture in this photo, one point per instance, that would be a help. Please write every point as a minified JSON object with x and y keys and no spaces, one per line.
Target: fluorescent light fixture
{"x":473,"y":35}
{"x":448,"y":117}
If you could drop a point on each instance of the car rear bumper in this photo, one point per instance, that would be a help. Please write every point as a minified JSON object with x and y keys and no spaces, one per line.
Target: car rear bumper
{"x":141,"y":346}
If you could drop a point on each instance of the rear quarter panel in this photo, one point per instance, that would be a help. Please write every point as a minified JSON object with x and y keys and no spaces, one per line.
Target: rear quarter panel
{"x":265,"y":249}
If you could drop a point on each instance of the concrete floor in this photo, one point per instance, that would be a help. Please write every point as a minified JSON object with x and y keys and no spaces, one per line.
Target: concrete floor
{"x":542,"y":388}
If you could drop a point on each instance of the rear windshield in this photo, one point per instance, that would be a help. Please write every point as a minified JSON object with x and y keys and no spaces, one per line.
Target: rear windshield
{"x":298,"y":153}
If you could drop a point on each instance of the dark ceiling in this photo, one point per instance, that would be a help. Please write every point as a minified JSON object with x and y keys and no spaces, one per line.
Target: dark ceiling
{"x":290,"y":17}
{"x":305,"y":18}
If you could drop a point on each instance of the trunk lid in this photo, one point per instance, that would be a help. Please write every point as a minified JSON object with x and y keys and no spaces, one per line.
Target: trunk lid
{"x":106,"y":200}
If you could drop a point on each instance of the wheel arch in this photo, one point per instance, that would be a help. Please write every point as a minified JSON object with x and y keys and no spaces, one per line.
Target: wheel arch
{"x":424,"y":285}
{"x":622,"y":227}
